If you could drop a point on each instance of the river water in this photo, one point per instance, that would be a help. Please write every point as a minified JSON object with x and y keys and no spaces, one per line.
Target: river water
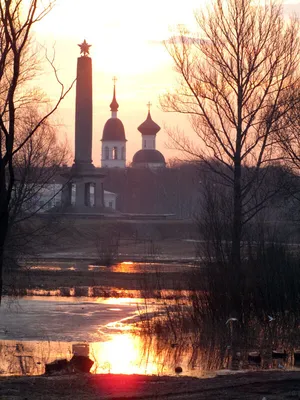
{"x":38,"y":330}
{"x":35,"y":330}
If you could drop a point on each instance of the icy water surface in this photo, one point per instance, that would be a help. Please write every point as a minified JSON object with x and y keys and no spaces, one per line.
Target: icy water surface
{"x":38,"y":330}
{"x":62,"y":318}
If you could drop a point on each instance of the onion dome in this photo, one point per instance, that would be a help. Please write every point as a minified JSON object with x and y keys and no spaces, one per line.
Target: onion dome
{"x":147,"y":156}
{"x":114,"y":130}
{"x":149,"y":127}
{"x":114,"y":104}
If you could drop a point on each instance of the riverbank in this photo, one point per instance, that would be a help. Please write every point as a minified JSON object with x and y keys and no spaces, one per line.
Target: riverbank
{"x":125,"y":249}
{"x":82,"y":279}
{"x":247,"y":386}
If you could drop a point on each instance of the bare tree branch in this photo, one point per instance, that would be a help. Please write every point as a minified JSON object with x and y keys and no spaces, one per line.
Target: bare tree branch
{"x":236,"y":80}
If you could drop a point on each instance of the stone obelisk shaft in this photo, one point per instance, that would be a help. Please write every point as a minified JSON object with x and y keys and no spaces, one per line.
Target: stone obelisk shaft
{"x":84,"y":113}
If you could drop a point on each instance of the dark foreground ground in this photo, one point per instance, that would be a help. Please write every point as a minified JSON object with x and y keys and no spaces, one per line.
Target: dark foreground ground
{"x":248,"y":386}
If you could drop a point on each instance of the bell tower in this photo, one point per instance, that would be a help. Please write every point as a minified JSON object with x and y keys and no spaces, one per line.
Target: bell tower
{"x":113,"y":138}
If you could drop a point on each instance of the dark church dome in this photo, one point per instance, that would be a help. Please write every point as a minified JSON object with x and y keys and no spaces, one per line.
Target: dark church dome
{"x":146,"y":156}
{"x":149,"y":127}
{"x":114,"y":130}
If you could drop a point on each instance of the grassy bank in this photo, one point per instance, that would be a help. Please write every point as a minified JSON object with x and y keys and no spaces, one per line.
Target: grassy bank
{"x":97,"y":283}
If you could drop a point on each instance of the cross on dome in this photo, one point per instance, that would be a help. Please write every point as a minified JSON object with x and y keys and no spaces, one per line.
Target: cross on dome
{"x":149,"y":105}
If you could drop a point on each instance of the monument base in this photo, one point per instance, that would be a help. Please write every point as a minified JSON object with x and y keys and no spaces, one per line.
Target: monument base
{"x":83,"y":190}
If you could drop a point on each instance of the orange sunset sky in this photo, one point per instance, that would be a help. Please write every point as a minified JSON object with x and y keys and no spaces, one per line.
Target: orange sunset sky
{"x":126,"y":38}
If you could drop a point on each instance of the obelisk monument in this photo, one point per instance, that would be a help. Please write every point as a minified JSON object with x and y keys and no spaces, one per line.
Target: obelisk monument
{"x":84,"y":110}
{"x":84,"y":181}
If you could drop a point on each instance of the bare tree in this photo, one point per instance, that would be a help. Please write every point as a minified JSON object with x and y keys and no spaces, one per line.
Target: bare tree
{"x":36,"y":167}
{"x":17,"y":68}
{"x":289,"y":138}
{"x":234,"y":80}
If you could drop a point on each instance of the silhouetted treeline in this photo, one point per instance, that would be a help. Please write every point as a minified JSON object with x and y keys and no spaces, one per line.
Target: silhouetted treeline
{"x":180,"y":189}
{"x":163,"y":191}
{"x":183,"y":188}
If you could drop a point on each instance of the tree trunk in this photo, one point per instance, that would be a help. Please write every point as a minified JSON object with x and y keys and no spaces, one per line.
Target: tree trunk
{"x":4,"y":217}
{"x":237,"y":219}
{"x":3,"y":234}
{"x":237,"y":190}
{"x":235,"y":270}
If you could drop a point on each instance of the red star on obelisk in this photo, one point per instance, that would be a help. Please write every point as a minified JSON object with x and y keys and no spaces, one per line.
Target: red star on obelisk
{"x":84,"y":48}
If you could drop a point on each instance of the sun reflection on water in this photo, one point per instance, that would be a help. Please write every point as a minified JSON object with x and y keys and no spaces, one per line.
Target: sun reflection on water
{"x":122,"y":355}
{"x":124,"y":350}
{"x":120,"y":300}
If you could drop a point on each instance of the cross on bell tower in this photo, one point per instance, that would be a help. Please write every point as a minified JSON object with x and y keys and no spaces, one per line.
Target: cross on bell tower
{"x":114,"y":106}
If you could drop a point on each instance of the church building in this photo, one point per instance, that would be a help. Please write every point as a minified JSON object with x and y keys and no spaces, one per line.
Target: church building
{"x":148,"y":156}
{"x":113,"y":153}
{"x":113,"y":139}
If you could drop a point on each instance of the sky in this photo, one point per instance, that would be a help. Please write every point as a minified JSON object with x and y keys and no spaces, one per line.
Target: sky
{"x":126,"y":38}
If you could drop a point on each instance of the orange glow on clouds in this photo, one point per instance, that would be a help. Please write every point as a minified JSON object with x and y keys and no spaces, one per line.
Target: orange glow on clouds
{"x":126,"y":38}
